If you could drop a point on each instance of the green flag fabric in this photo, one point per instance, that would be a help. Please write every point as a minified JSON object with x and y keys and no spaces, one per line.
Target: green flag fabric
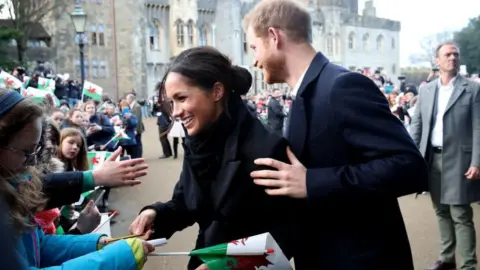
{"x":60,"y":230}
{"x":87,"y":193}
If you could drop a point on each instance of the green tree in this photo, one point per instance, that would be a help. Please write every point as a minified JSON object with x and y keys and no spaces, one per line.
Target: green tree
{"x":24,"y":14}
{"x":6,"y":35}
{"x":468,"y":39}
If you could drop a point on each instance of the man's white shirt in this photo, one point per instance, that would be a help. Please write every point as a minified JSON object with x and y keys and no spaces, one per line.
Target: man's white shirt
{"x":299,"y":83}
{"x":443,"y":96}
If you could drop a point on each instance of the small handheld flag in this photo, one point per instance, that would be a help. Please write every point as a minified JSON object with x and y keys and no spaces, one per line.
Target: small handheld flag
{"x":119,"y":135}
{"x":92,"y":90}
{"x":259,"y":252}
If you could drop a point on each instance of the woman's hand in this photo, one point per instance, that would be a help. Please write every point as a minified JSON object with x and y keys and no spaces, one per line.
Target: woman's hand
{"x":89,"y":218}
{"x":113,"y":173}
{"x":202,"y":267}
{"x":143,"y":223}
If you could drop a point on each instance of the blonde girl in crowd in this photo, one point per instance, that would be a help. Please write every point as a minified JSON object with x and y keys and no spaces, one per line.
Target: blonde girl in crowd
{"x":20,"y":185}
{"x":72,"y":151}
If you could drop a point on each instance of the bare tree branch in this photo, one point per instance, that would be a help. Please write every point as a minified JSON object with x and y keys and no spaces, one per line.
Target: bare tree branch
{"x":33,"y":11}
{"x":25,"y":14}
{"x":11,"y":13}
{"x":429,"y":44}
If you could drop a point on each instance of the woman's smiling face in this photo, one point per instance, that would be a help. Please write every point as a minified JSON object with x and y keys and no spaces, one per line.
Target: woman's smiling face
{"x":196,"y":108}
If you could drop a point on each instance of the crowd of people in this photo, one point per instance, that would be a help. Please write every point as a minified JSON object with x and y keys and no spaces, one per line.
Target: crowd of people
{"x":44,"y":170}
{"x":97,"y":122}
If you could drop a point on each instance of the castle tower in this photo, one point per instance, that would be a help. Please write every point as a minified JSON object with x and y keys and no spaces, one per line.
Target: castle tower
{"x":369,"y":10}
{"x":183,"y":14}
{"x":130,"y":24}
{"x":229,"y":34}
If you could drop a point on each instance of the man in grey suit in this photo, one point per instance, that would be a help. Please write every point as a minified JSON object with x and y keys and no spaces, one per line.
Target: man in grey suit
{"x":446,"y":128}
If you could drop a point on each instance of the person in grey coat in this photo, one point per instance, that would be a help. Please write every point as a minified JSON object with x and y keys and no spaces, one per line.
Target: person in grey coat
{"x":446,"y":128}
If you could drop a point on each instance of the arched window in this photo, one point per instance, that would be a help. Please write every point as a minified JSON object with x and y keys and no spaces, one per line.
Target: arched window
{"x":101,"y":35}
{"x":330,"y":44}
{"x":93,"y":34}
{"x":153,"y":37}
{"x":393,"y":43}
{"x":190,"y":33}
{"x":366,"y":42}
{"x":351,"y":41}
{"x":180,"y":34}
{"x":203,"y":36}
{"x":338,"y":44}
{"x":380,"y":43}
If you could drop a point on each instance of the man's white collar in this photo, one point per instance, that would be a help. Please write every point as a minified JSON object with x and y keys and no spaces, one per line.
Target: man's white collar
{"x":299,"y":83}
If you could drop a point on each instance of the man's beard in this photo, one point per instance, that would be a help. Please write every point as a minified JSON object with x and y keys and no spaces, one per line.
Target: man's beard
{"x":273,"y":69}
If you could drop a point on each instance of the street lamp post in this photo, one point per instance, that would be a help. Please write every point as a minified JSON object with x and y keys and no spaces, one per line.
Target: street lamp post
{"x":79,"y":20}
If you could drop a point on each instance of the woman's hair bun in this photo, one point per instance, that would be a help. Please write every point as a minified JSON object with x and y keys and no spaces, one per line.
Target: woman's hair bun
{"x":242,"y":80}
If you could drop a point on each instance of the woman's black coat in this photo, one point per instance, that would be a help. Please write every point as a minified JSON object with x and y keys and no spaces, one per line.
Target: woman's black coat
{"x":240,"y":208}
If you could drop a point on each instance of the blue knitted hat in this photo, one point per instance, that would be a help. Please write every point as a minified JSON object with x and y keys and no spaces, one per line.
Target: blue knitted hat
{"x":8,"y":100}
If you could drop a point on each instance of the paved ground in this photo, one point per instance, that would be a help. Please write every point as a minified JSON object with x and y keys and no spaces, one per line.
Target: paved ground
{"x":163,"y":174}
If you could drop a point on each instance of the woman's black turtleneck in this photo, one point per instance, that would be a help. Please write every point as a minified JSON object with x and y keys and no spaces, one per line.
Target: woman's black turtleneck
{"x":204,"y":152}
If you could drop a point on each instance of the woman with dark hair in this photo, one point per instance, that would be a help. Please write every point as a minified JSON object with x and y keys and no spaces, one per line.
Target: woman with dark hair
{"x":222,"y":141}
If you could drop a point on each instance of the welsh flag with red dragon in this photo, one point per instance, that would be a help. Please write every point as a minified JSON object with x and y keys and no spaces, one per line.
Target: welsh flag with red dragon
{"x":92,"y":90}
{"x":9,"y":81}
{"x":259,"y":252}
{"x":95,"y":159}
